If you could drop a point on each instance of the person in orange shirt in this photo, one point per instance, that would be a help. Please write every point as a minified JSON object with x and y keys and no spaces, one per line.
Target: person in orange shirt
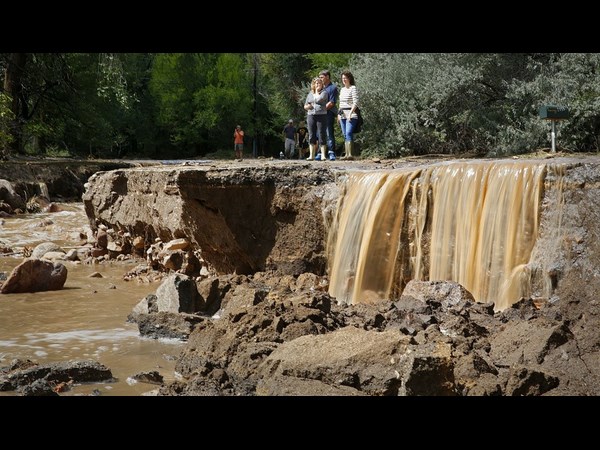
{"x":238,"y":142}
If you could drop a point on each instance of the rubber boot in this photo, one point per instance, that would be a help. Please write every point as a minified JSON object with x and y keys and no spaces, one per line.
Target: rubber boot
{"x":323,"y":152}
{"x":311,"y":148}
{"x":349,"y":146}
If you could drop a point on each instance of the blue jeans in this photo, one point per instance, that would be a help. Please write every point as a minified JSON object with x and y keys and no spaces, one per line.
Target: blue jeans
{"x":348,"y":128}
{"x":331,"y":119}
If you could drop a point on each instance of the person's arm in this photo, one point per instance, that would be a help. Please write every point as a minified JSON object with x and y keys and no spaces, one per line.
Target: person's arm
{"x":354,"y":100}
{"x":308,"y":103}
{"x":322,"y":98}
{"x":332,"y":97}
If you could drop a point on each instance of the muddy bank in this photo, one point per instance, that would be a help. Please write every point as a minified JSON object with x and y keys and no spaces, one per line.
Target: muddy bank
{"x":273,"y":329}
{"x":62,"y":180}
{"x":269,"y":219}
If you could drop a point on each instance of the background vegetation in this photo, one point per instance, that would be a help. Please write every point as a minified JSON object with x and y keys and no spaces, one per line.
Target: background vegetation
{"x":186,"y":105}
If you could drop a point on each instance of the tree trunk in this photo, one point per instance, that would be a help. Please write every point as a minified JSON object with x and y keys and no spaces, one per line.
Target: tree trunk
{"x":13,"y":86}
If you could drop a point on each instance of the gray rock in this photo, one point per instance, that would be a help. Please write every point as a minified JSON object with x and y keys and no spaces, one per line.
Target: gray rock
{"x":41,"y":249}
{"x":178,"y":293}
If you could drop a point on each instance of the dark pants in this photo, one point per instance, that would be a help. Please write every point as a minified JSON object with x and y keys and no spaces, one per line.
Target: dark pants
{"x":316,"y":128}
{"x":331,"y":119}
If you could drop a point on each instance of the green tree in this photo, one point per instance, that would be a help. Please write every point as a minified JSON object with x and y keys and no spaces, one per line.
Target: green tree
{"x":80,"y":103}
{"x":99,"y":111}
{"x":280,"y":77}
{"x":334,"y":62}
{"x":485,"y":103}
{"x":6,"y":118}
{"x":571,"y":80}
{"x":200,"y":97}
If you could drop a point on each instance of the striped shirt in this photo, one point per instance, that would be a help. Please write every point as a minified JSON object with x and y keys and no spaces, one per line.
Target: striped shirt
{"x":348,"y":98}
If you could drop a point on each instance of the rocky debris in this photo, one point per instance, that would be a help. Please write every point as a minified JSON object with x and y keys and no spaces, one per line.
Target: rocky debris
{"x":248,"y":326}
{"x":48,"y":379}
{"x":367,"y":361}
{"x":38,"y":204}
{"x":178,"y":293}
{"x":107,"y":245}
{"x":100,"y":247}
{"x":40,"y":250}
{"x":35,"y":275}
{"x":527,"y":381}
{"x":5,"y":246}
{"x":39,"y":388}
{"x":55,"y":256}
{"x":176,"y":244}
{"x":290,"y":338}
{"x":152,"y":377}
{"x":166,"y":325}
{"x":6,"y":209}
{"x":9,"y":196}
{"x":446,"y":293}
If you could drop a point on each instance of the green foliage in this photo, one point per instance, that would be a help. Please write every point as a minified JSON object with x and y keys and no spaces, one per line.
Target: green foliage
{"x":6,"y":117}
{"x":101,"y":106}
{"x":282,"y":76}
{"x":485,"y":103}
{"x":576,"y":83}
{"x":334,"y":62}
{"x":85,"y":104}
{"x":112,"y":81}
{"x":186,"y":105}
{"x":201,"y":97}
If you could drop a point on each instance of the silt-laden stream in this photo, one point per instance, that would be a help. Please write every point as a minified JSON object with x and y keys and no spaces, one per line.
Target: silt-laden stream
{"x":84,"y":320}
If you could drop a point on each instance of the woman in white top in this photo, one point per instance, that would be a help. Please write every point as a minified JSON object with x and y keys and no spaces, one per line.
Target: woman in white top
{"x":348,"y":114}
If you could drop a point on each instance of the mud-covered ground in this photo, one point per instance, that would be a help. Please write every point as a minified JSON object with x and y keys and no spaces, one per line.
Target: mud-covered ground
{"x":271,"y":334}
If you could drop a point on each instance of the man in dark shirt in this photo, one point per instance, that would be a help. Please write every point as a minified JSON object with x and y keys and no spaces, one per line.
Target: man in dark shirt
{"x":290,"y":136}
{"x":332,"y":90}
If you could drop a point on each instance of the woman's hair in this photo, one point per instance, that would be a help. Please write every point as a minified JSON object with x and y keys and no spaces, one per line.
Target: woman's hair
{"x":313,"y":84}
{"x":349,"y":76}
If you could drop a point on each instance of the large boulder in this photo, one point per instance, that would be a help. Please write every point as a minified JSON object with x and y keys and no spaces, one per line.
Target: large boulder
{"x":178,"y":294}
{"x":34,"y":275}
{"x":9,"y":195}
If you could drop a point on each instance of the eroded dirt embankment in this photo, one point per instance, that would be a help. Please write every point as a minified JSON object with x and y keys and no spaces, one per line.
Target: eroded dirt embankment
{"x":63,"y":179}
{"x":279,"y":331}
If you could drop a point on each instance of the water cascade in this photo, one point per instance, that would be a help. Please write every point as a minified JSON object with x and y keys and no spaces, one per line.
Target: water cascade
{"x":475,"y":223}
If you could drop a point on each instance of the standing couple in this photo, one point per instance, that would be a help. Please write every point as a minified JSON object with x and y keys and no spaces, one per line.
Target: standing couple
{"x":321,"y":111}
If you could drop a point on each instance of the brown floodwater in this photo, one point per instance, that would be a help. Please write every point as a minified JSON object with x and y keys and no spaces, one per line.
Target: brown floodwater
{"x":84,"y":320}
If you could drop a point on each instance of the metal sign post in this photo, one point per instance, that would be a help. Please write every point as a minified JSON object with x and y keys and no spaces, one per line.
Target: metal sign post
{"x":553,"y":114}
